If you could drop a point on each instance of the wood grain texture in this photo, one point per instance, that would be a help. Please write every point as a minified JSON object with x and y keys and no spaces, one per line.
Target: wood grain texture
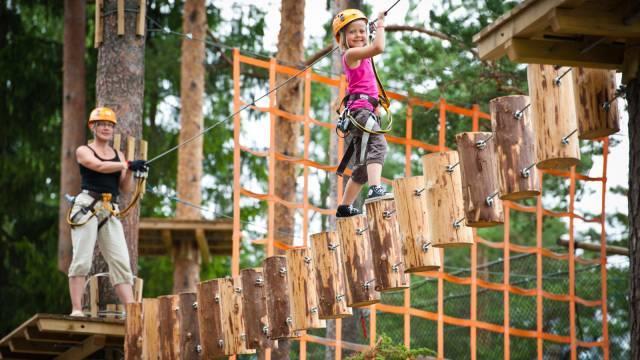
{"x":233,"y":317}
{"x":386,"y":246}
{"x":358,"y":262}
{"x":189,"y":329}
{"x":592,"y":88}
{"x":151,"y":329}
{"x":554,"y":116}
{"x":133,"y":331}
{"x":479,"y":171}
{"x":302,"y":282}
{"x":516,"y":147}
{"x":412,"y":211}
{"x":278,"y":297}
{"x":331,"y":282}
{"x":255,"y":309}
{"x":445,"y":206}
{"x":169,"y":328}
{"x":210,"y":319}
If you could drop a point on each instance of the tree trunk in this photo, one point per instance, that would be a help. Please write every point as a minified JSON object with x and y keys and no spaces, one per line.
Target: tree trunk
{"x":633,"y":99}
{"x":186,"y":273}
{"x":73,"y":119}
{"x":120,"y":86}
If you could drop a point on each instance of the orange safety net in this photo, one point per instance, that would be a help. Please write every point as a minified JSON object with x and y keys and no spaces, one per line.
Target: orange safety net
{"x":476,"y":282}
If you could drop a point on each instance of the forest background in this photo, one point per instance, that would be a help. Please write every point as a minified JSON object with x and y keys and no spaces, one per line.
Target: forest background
{"x":437,"y":63}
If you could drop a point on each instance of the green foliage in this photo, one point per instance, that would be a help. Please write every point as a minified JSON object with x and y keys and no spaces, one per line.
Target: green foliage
{"x":386,"y":349}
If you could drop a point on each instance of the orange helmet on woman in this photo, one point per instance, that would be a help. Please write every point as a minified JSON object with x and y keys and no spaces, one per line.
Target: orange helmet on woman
{"x":344,"y":18}
{"x":102,"y":114}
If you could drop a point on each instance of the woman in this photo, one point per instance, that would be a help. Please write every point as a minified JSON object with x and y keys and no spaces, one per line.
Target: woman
{"x":105,"y":172}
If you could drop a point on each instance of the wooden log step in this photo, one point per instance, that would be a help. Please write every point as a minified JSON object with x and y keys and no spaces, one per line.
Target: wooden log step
{"x":302,"y":282}
{"x":169,"y":333}
{"x":596,"y":110}
{"x":210,"y":319}
{"x":331,"y":282}
{"x":358,"y":262}
{"x":445,"y":207}
{"x":417,"y":245}
{"x":386,"y":245}
{"x":233,"y":317}
{"x":278,"y":297}
{"x":255,"y":309}
{"x":133,"y":333}
{"x":189,"y":327}
{"x":516,"y":147}
{"x":480,"y":184}
{"x":554,"y":116}
{"x":151,"y":329}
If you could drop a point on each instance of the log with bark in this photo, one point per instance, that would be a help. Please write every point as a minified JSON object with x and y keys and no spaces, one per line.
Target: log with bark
{"x":417,"y":244}
{"x":358,"y":262}
{"x":386,"y":246}
{"x":553,"y":113}
{"x":278,"y":297}
{"x":480,"y":184}
{"x":255,"y":309}
{"x":189,"y":326}
{"x":331,"y":282}
{"x":515,"y":143}
{"x":233,"y":317}
{"x":210,"y":319}
{"x":133,"y":339}
{"x":445,"y":206}
{"x":151,"y":329}
{"x":302,"y":282}
{"x":169,"y":333}
{"x":594,"y":92}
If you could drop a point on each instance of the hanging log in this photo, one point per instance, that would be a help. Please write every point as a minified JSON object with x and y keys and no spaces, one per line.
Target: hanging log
{"x":133,"y":331}
{"x":233,"y":317}
{"x":515,"y":143}
{"x":210,"y":319}
{"x":255,"y":309}
{"x":331,"y":284}
{"x":480,"y":184}
{"x":554,"y":116}
{"x":151,"y":329}
{"x":443,"y":185}
{"x":596,"y":110}
{"x":386,"y":246}
{"x":411,"y":205}
{"x":302,"y":282}
{"x":169,"y":329}
{"x":358,"y":261}
{"x":188,"y":323}
{"x":278,"y":297}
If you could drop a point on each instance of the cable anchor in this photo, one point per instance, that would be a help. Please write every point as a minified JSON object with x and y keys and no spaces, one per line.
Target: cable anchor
{"x":489,"y":199}
{"x":565,"y":140}
{"x":526,"y":172}
{"x":458,"y":223}
{"x":520,"y":113}
{"x":451,"y":167}
{"x":558,"y":78}
{"x":482,"y":144}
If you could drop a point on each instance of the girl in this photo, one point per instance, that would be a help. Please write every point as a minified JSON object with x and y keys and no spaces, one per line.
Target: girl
{"x":350,"y":31}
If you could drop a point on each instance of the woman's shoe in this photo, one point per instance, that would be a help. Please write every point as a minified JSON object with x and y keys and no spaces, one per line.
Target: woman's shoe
{"x":77,"y":313}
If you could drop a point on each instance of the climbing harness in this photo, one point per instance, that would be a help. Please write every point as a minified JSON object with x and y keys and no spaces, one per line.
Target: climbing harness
{"x":107,"y":204}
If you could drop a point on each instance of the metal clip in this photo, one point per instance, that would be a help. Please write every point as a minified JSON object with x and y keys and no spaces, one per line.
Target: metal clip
{"x":526,"y":172}
{"x":259,"y":282}
{"x":307,"y":260}
{"x":387,"y":213}
{"x":195,"y":305}
{"x":314,"y":310}
{"x":457,"y":223}
{"x":361,"y":231}
{"x":283,"y":271}
{"x":425,"y":246}
{"x":367,"y":284}
{"x":396,"y":267}
{"x":333,"y":247}
{"x":565,"y":140}
{"x":217,"y":299}
{"x":418,"y":192}
{"x":289,"y":320}
{"x":265,"y":330}
{"x":518,"y":114}
{"x":177,"y":308}
{"x":482,"y":144}
{"x":220,"y":343}
{"x":558,"y":78}
{"x":238,"y":290}
{"x":450,"y":168}
{"x":198,"y":348}
{"x":339,"y":297}
{"x":489,"y":199}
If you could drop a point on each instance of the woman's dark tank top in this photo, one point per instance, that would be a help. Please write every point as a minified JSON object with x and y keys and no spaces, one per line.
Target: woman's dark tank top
{"x":99,"y":182}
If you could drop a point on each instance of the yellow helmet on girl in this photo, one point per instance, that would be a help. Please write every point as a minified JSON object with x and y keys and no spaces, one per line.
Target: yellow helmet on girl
{"x":102,"y":114}
{"x":344,"y":18}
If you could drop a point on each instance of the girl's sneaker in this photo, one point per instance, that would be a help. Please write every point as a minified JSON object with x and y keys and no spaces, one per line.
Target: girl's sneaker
{"x":376,"y":191}
{"x":346,"y":211}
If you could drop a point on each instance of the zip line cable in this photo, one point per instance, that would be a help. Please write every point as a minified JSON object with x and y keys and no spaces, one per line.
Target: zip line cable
{"x":252,"y":103}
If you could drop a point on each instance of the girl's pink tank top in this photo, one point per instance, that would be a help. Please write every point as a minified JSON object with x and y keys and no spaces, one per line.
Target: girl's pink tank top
{"x":361,"y":80}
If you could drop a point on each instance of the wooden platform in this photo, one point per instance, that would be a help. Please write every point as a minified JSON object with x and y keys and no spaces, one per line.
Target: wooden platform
{"x":157,"y":236}
{"x":587,"y":33}
{"x":48,"y":336}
